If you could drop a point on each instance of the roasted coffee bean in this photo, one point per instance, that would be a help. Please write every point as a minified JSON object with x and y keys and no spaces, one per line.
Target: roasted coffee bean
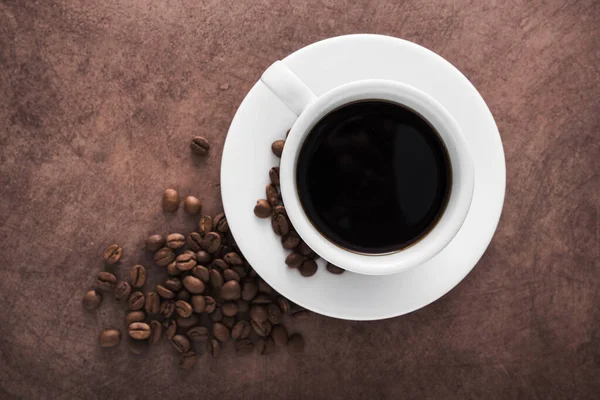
{"x":231,"y":290}
{"x":221,"y":332}
{"x":216,"y":316}
{"x":91,"y":300}
{"x":200,"y":271}
{"x":233,"y":259}
{"x":210,"y":304}
{"x":188,"y":360}
{"x":304,"y":249}
{"x":284,"y":304}
{"x":155,"y":332}
{"x":167,"y":308}
{"x":166,"y":293}
{"x":211,"y":242}
{"x":308,"y":268}
{"x":229,"y":308}
{"x":139,"y":330}
{"x":109,"y":338}
{"x":240,"y":271}
{"x":152,"y":305}
{"x":122,"y":290}
{"x":216,"y":279}
{"x":264,"y":346}
{"x":106,"y":281}
{"x":205,"y":225}
{"x":263,"y":287}
{"x":136,"y":301}
{"x":228,"y":322}
{"x":173,"y":284}
{"x":244,"y":346}
{"x":249,"y":290}
{"x":294,"y":260}
{"x":259,"y":313}
{"x":241,"y":330}
{"x":280,"y":209}
{"x":198,"y":303}
{"x":192,"y":205}
{"x":183,"y":308}
{"x":185,"y":262}
{"x":220,"y":223}
{"x":290,"y":241}
{"x":175,"y":241}
{"x":188,"y":322}
{"x":137,"y":276}
{"x":231,"y":275}
{"x":220,"y":264}
{"x":193,"y":285}
{"x":296,"y":343}
{"x":279,"y":335}
{"x":261,"y":299}
{"x":135,"y":316}
{"x":277,"y":147}
{"x":202,"y":257}
{"x":275,"y":313}
{"x":164,"y":257}
{"x":214,"y":348}
{"x":184,"y":295}
{"x":198,"y":334}
{"x":200,"y":146}
{"x":155,"y":242}
{"x":194,"y":241}
{"x":243,"y":306}
{"x":171,"y":329}
{"x":280,"y":224}
{"x":272,"y":194}
{"x":113,"y":254}
{"x":262,"y":209}
{"x":334,"y":269}
{"x":172,"y":269}
{"x":181,"y":343}
{"x":274,"y":175}
{"x":301,"y":315}
{"x":261,"y":328}
{"x":170,"y":200}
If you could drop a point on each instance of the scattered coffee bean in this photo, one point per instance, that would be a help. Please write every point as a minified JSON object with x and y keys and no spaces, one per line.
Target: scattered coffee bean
{"x":192,"y":205}
{"x":263,"y":287}
{"x":188,"y":322}
{"x":220,"y":223}
{"x":198,"y":334}
{"x":211,"y":304}
{"x":136,"y":301}
{"x":137,"y":276}
{"x":231,"y":290}
{"x":175,"y":241}
{"x":205,"y":225}
{"x":200,"y":146}
{"x":284,"y":304}
{"x":274,"y":175}
{"x":139,"y":330}
{"x":214,"y":348}
{"x":231,"y":275}
{"x":241,"y":330}
{"x":171,"y":329}
{"x":216,"y":279}
{"x":201,"y":272}
{"x":249,"y":290}
{"x":244,"y":346}
{"x":296,"y":343}
{"x":229,"y":322}
{"x":261,"y":328}
{"x":272,"y":194}
{"x":294,"y":260}
{"x":135,"y":316}
{"x":167,"y":308}
{"x":193,"y":285}
{"x":240,"y":271}
{"x":229,"y":308}
{"x":277,"y":147}
{"x":122,"y":290}
{"x":265,"y":346}
{"x":188,"y":359}
{"x":279,"y":335}
{"x":233,"y":259}
{"x":185,"y":261}
{"x":152,"y":304}
{"x":261,"y":299}
{"x":275,"y":313}
{"x":259,"y":313}
{"x":183,"y":308}
{"x":220,"y":264}
{"x":155,"y":242}
{"x":221,"y":332}
{"x":243,"y":306}
{"x":172,"y":284}
{"x":113,"y":254}
{"x":106,"y":281}
{"x":290,"y":241}
{"x":181,"y":343}
{"x":92,"y":300}
{"x":308,"y":268}
{"x":170,"y":200}
{"x":280,"y":224}
{"x":202,"y":257}
{"x":109,"y":338}
{"x":164,"y":257}
{"x":172,"y":269}
{"x":211,"y":242}
{"x":262,"y":209}
{"x":334,"y":269}
{"x":155,"y":332}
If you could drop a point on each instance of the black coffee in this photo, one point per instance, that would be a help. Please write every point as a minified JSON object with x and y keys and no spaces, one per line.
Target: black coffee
{"x":373,"y":176}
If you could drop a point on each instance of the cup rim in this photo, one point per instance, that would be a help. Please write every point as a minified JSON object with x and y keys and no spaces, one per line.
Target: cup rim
{"x":458,"y":203}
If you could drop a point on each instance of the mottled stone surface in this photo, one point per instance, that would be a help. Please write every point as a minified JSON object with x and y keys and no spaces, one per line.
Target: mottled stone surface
{"x":98,"y":100}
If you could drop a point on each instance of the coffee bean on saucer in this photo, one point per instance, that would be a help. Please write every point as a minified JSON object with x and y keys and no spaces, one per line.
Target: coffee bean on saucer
{"x":172,"y":284}
{"x":156,"y":330}
{"x":296,"y":343}
{"x":135,"y":316}
{"x":106,"y":281}
{"x":152,"y":303}
{"x":262,"y":209}
{"x":280,"y":209}
{"x":241,"y":330}
{"x":170,"y":200}
{"x":277,"y":147}
{"x":155,"y":242}
{"x":259,"y":313}
{"x":233,"y":259}
{"x":221,"y":332}
{"x":183,"y":308}
{"x":272,"y":194}
{"x":308,"y":268}
{"x":249,"y":290}
{"x":211,"y":242}
{"x":198,"y":334}
{"x":275,"y":313}
{"x":205,"y":225}
{"x":244,"y":346}
{"x":136,"y":301}
{"x":334,"y":269}
{"x":175,"y":241}
{"x":92,"y":300}
{"x":171,"y":329}
{"x":137,"y":276}
{"x":122,"y":290}
{"x":181,"y":343}
{"x":167,"y":308}
{"x":261,"y":328}
{"x":192,"y":205}
{"x":290,"y":240}
{"x":231,"y":275}
{"x":280,"y":224}
{"x":229,"y":309}
{"x":220,"y":223}
{"x":216,"y":279}
{"x":200,"y":146}
{"x":284,"y":304}
{"x":231,"y":290}
{"x":214,"y":348}
{"x":279,"y":335}
{"x":210,"y":304}
{"x":164,"y":256}
{"x":202,"y":257}
{"x":113,"y":254}
{"x":188,"y":322}
{"x":109,"y":338}
{"x":139,"y":330}
{"x":194,"y":241}
{"x":188,"y":360}
{"x":193,"y":285}
{"x":274,"y":175}
{"x":294,"y":260}
{"x":304,"y":249}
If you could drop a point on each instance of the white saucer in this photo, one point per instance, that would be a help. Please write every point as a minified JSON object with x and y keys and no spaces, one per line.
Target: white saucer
{"x":262,"y":118}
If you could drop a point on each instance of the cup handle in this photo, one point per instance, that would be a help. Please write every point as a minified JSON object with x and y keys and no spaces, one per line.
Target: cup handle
{"x":288,"y":87}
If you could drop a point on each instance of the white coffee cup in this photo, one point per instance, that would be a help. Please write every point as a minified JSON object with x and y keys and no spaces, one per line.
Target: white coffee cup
{"x":310,"y":109}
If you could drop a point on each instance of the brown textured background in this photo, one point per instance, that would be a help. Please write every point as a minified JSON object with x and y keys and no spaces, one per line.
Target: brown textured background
{"x":98,"y":101}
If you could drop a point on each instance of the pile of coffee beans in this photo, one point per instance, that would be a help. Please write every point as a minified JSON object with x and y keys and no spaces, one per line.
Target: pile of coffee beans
{"x":301,"y":257}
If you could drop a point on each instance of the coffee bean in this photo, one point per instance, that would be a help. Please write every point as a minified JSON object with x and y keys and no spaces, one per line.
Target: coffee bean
{"x":202,"y":257}
{"x":210,"y":304}
{"x":188,"y":322}
{"x":135,"y":316}
{"x":184,"y":295}
{"x":279,"y":335}
{"x":192,"y":205}
{"x":221,"y":332}
{"x":274,"y":176}
{"x":277,"y":147}
{"x":284,"y":304}
{"x":240,"y":271}
{"x":205,"y":225}
{"x":91,"y":300}
{"x":185,"y":262}
{"x":152,"y":304}
{"x":211,"y":242}
{"x":231,"y":275}
{"x":229,"y":308}
{"x":171,"y":329}
{"x":155,"y":332}
{"x":188,"y":360}
{"x":171,"y":284}
{"x":214,"y":348}
{"x":249,"y":290}
{"x":262,"y":209}
{"x":261,"y":299}
{"x":259,"y":313}
{"x":220,"y":264}
{"x":290,"y":241}
{"x":272,"y":194}
{"x":280,"y":209}
{"x":193,"y":285}
{"x":308,"y":268}
{"x":167,"y":308}
{"x":296,"y":343}
{"x":334,"y":269}
{"x":113,"y":254}
{"x":294,"y":260}
{"x":175,"y":241}
{"x":265,"y":346}
{"x":301,"y":315}
{"x":201,"y":272}
{"x":216,"y":279}
{"x":304,"y":249}
{"x":109,"y":338}
{"x":106,"y":281}
{"x":263,"y":287}
{"x":243,"y":306}
{"x":122,"y":290}
{"x":220,"y":223}
{"x":233,"y":259}
{"x":139,"y":330}
{"x":241,"y":330}
{"x":183,"y":308}
{"x":198,"y":334}
{"x":244,"y":346}
{"x":170,"y":200}
{"x":228,"y":322}
{"x":164,"y":257}
{"x":136,"y":301}
{"x":172,"y":269}
{"x":280,"y":224}
{"x":231,"y":290}
{"x":137,"y":276}
{"x":200,"y":146}
{"x":181,"y":343}
{"x":261,"y":328}
{"x":275,"y":313}
{"x":155,"y":242}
